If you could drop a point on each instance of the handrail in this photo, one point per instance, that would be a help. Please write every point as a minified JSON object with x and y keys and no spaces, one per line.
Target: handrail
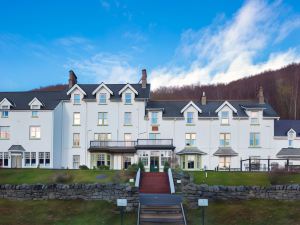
{"x":97,"y":143}
{"x":171,"y":181}
{"x":138,"y":219}
{"x":184,"y":220}
{"x":137,"y":178}
{"x":155,"y":142}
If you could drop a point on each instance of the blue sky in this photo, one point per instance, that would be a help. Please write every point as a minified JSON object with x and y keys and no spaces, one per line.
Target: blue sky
{"x":178,"y":42}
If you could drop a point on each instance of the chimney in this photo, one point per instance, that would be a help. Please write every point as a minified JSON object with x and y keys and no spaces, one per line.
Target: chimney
{"x":72,"y":79}
{"x":203,"y":98}
{"x":144,"y":78}
{"x":261,"y":98}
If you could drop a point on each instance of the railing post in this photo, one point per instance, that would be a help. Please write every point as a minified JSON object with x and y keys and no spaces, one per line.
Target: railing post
{"x":250,"y":169}
{"x":241,"y":165}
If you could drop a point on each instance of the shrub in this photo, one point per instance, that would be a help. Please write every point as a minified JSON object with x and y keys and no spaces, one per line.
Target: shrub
{"x":116,"y":178}
{"x":278,"y":176}
{"x":132,"y":169}
{"x":103,"y":167}
{"x":83,"y":167}
{"x":166,"y":166}
{"x":63,"y":178}
{"x":141,"y":166}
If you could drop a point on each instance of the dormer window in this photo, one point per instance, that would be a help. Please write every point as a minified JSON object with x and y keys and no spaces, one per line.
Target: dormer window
{"x":291,"y":136}
{"x":154,"y":117}
{"x":77,"y":99}
{"x":4,"y":113}
{"x":254,"y":118}
{"x":102,"y":98}
{"x":190,"y":118}
{"x":128,"y":99}
{"x":224,"y":117}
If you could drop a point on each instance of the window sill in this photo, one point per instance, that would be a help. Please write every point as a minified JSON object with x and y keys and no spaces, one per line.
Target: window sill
{"x":127,"y":103}
{"x":102,"y":125}
{"x":155,"y":125}
{"x":4,"y":139}
{"x":254,"y":124}
{"x":225,"y":124}
{"x":254,"y":147}
{"x":35,"y":139}
{"x":34,"y":117}
{"x":76,"y":146}
{"x":76,"y":125}
{"x":190,"y":124}
{"x":4,"y":117}
{"x":127,"y":125}
{"x":102,"y":104}
{"x":76,"y":103}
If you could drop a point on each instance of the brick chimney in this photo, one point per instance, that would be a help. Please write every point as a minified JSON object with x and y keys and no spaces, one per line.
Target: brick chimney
{"x":261,"y":98}
{"x":203,"y":98}
{"x":144,"y":78}
{"x":72,"y":79}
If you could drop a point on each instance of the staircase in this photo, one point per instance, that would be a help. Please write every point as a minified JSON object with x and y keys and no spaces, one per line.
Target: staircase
{"x":155,"y":183}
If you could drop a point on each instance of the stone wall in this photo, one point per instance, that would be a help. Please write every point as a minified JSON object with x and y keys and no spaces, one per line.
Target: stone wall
{"x":192,"y":192}
{"x":107,"y":192}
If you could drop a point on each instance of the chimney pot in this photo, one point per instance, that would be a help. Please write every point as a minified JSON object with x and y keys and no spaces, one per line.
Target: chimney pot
{"x":144,"y":78}
{"x":72,"y":79}
{"x":203,"y":98}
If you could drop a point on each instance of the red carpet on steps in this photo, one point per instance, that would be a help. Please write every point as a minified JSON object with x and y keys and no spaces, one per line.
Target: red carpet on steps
{"x":155,"y":183}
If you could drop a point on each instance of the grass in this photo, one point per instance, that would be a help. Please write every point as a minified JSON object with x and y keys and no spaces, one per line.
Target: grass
{"x":46,"y":176}
{"x":241,"y":178}
{"x":254,"y":212}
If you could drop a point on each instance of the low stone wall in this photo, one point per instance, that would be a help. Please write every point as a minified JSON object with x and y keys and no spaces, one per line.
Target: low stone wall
{"x":193,"y":192}
{"x":107,"y":192}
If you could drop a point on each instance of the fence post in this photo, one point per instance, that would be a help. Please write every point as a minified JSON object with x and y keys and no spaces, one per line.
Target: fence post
{"x":268,"y":165}
{"x":250,"y":165}
{"x":241,"y":165}
{"x":288,"y":164}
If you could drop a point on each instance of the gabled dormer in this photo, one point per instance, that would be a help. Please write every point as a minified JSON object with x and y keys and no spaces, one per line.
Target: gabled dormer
{"x":77,"y":94}
{"x":35,"y":104}
{"x":190,"y":113}
{"x":225,"y":112}
{"x":6,"y":104}
{"x":102,"y":93}
{"x":128,"y":94}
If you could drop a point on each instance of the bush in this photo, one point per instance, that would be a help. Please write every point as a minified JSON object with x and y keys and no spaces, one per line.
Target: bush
{"x":63,"y":178}
{"x":116,"y":178}
{"x":83,"y":167}
{"x":166,"y":166}
{"x":132,"y":169}
{"x":141,"y":166}
{"x":103,"y":167}
{"x":278,"y":176}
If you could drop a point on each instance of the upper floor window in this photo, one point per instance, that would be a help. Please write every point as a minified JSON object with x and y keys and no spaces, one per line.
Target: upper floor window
{"x":127,"y":139}
{"x":35,"y":132}
{"x":76,"y":139}
{"x":76,"y":118}
{"x":224,"y":117}
{"x":291,"y":143}
{"x":102,"y":118}
{"x":127,"y":118}
{"x":254,"y":117}
{"x":102,"y":136}
{"x":224,"y":139}
{"x":77,"y":99}
{"x":154,"y":136}
{"x":291,"y":136}
{"x":102,"y":98}
{"x":190,"y":139}
{"x":154,"y":117}
{"x":254,"y":139}
{"x":128,"y":98}
{"x":4,"y":133}
{"x":34,"y":114}
{"x":4,"y":114}
{"x":190,"y":118}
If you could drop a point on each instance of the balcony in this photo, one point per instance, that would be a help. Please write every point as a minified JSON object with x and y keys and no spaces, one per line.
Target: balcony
{"x":155,"y":144}
{"x":113,"y":146}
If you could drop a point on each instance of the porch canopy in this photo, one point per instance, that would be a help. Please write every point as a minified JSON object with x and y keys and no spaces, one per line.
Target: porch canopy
{"x":191,"y":151}
{"x":288,"y":153}
{"x":225,"y":151}
{"x":16,"y":149}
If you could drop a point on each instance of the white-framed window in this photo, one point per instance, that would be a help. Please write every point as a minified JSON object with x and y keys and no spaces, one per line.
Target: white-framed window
{"x":225,"y":139}
{"x":128,"y":99}
{"x":4,"y":114}
{"x":76,"y":161}
{"x":33,"y":158}
{"x":291,"y":136}
{"x":191,"y":161}
{"x":101,"y":159}
{"x":102,"y":136}
{"x":291,"y":143}
{"x":47,"y":158}
{"x":254,"y":139}
{"x":34,"y":114}
{"x":254,"y":117}
{"x":27,"y":159}
{"x":76,"y":139}
{"x":127,"y":118}
{"x":154,"y":136}
{"x":127,"y":139}
{"x":127,"y":161}
{"x":41,"y":158}
{"x":4,"y":133}
{"x":35,"y":132}
{"x":102,"y":118}
{"x":76,"y":118}
{"x":77,"y":99}
{"x":102,"y":98}
{"x":190,"y":139}
{"x":225,"y":117}
{"x":154,"y":117}
{"x":190,"y":118}
{"x":144,"y":158}
{"x":224,"y":161}
{"x":3,"y":159}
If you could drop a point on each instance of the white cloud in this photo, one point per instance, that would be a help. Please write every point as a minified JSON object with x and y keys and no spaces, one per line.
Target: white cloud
{"x":231,"y":49}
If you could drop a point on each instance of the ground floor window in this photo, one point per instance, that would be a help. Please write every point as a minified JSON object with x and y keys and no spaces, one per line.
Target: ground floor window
{"x":3,"y":159}
{"x":190,"y":162}
{"x":100,"y":159}
{"x":144,"y":158}
{"x":44,"y":159}
{"x":127,"y":161}
{"x":165,"y":156}
{"x":224,"y":162}
{"x":76,"y":161}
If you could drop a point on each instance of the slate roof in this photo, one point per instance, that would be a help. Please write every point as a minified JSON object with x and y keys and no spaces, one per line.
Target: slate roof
{"x":173,"y":108}
{"x":289,"y":153}
{"x":225,"y":152}
{"x":191,"y":151}
{"x":281,"y":127}
{"x":16,"y":148}
{"x":51,"y":99}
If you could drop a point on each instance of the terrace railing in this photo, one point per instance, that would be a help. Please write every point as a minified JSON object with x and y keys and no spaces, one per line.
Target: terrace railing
{"x":155,"y":142}
{"x":103,"y":144}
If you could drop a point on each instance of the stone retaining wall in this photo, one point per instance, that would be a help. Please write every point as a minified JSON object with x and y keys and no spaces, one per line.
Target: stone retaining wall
{"x":107,"y":192}
{"x":192,"y":192}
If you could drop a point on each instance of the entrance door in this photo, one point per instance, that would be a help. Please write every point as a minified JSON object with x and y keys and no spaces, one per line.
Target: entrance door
{"x":16,"y":161}
{"x":154,"y":164}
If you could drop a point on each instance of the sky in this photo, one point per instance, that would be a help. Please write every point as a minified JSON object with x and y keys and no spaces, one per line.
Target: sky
{"x":178,"y":42}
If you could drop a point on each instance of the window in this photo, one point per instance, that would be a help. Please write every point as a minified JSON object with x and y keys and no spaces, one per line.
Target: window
{"x":224,"y":139}
{"x":76,"y":118}
{"x":154,"y":117}
{"x":35,"y":132}
{"x":41,"y":158}
{"x":33,"y":158}
{"x":290,"y":143}
{"x":190,"y":139}
{"x":127,"y":98}
{"x":27,"y":158}
{"x":102,"y":136}
{"x":101,"y":160}
{"x":102,"y":118}
{"x":76,"y":161}
{"x":191,"y":161}
{"x":224,"y":117}
{"x":76,"y":140}
{"x":224,"y":162}
{"x":144,"y":158}
{"x":34,"y":114}
{"x":108,"y":160}
{"x":35,"y":107}
{"x":254,"y":117}
{"x":190,"y":118}
{"x":154,"y":136}
{"x":76,"y":99}
{"x":102,"y":98}
{"x":4,"y":133}
{"x":163,"y":160}
{"x":254,"y":139}
{"x":127,"y":118}
{"x":127,"y":162}
{"x":4,"y":114}
{"x":3,"y":159}
{"x":127,"y":139}
{"x":291,"y":136}
{"x":47,"y":158}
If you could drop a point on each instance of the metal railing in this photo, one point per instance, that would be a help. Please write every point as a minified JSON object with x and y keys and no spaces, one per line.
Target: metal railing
{"x":171,"y":181}
{"x":183,"y":214}
{"x":137,"y":178}
{"x":138,"y":214}
{"x":168,"y":142}
{"x":101,"y":144}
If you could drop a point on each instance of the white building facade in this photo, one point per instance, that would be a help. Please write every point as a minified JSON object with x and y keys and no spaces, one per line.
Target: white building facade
{"x":116,"y":125}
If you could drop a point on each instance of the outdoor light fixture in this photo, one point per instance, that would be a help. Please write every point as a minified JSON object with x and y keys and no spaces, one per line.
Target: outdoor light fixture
{"x":122,"y":203}
{"x":202,"y":203}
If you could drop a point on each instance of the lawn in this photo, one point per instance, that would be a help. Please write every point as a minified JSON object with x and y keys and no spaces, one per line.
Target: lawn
{"x":241,"y":178}
{"x":254,"y":212}
{"x":46,"y":176}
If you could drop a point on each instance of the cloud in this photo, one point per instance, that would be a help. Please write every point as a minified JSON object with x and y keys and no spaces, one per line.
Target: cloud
{"x":231,"y":49}
{"x":105,"y":5}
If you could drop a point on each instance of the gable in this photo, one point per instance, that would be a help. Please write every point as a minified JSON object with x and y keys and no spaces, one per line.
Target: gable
{"x":191,"y":104}
{"x":6,"y":102}
{"x":226,"y":103}
{"x":76,"y":87}
{"x":128,"y":86}
{"x":101,"y":86}
{"x":35,"y":101}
